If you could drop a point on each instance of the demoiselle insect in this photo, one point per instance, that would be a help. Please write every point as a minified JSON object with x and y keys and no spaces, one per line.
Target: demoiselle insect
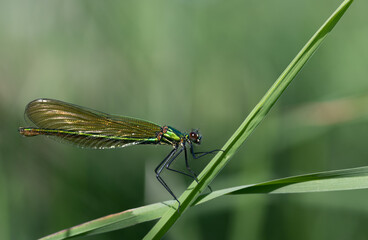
{"x":89,"y":128}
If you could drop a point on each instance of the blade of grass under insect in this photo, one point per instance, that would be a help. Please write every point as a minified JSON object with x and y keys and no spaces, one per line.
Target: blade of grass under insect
{"x":338,"y":180}
{"x":248,"y":126}
{"x":114,"y":221}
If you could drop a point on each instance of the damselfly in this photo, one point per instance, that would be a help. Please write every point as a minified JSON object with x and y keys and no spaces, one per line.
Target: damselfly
{"x":89,"y":128}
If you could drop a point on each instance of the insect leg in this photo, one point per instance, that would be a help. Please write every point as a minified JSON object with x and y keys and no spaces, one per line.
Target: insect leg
{"x":201,"y":154}
{"x":159,"y":169}
{"x":186,"y":162}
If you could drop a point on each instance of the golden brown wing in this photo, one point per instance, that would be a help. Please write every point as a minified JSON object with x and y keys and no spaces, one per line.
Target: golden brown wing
{"x":86,"y":127}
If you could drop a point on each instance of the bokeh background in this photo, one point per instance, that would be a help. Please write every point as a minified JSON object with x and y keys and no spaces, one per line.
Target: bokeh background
{"x":189,"y":64}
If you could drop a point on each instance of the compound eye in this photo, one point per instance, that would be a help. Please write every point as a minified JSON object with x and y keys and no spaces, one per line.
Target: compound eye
{"x":195,"y":137}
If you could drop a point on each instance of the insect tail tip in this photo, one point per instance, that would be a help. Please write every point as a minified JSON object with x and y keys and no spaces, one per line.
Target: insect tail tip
{"x":27,"y":132}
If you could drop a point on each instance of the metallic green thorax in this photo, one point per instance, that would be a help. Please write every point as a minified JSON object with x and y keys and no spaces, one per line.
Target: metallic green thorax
{"x":173,"y":135}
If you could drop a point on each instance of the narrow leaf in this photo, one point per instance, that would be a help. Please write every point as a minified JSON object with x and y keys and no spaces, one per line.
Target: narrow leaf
{"x":114,"y":221}
{"x":338,"y":180}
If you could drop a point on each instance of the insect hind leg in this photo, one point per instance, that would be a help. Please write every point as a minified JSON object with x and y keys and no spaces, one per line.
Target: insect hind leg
{"x":159,"y":169}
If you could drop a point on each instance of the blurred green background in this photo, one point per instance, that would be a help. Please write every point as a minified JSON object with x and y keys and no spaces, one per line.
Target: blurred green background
{"x":189,"y":64}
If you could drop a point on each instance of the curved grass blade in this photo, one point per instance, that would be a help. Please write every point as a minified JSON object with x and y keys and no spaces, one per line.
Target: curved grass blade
{"x":338,"y":180}
{"x":249,"y":124}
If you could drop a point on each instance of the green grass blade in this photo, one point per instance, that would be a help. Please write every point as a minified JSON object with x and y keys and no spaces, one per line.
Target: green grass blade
{"x":338,"y":180}
{"x":248,"y":126}
{"x":114,"y":221}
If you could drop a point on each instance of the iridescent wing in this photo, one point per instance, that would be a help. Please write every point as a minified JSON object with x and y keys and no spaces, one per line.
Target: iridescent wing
{"x":86,"y":127}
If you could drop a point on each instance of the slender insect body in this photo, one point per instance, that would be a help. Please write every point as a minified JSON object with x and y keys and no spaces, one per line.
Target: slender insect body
{"x":89,"y":128}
